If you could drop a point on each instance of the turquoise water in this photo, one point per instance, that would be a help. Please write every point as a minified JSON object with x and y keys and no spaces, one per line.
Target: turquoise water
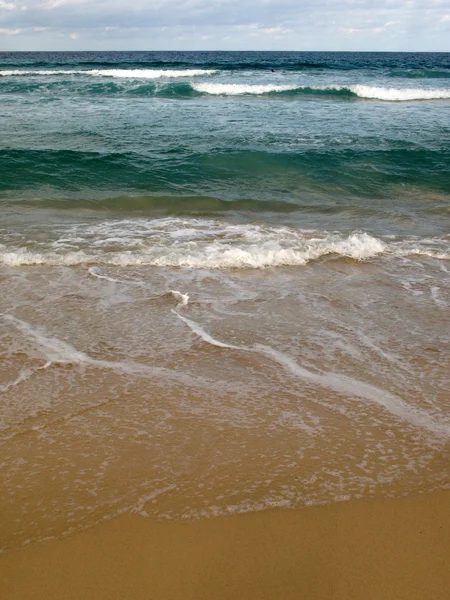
{"x":359,"y":136}
{"x":224,"y":282}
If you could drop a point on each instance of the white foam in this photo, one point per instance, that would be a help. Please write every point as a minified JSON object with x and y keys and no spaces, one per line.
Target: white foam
{"x":215,"y":254}
{"x":22,"y":257}
{"x":353,"y":387}
{"x":57,"y":351}
{"x":195,"y":327}
{"x":336,"y":382}
{"x":399,"y":94}
{"x":117,"y":73}
{"x":95,"y":273}
{"x":238,"y":89}
{"x":373,"y":92}
{"x":183,"y":299}
{"x":360,"y":90}
{"x":205,"y":243}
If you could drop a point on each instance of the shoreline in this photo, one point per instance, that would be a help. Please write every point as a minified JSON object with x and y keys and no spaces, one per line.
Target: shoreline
{"x":378,"y":549}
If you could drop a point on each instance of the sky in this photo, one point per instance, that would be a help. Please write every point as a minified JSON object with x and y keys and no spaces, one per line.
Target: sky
{"x":390,"y":25}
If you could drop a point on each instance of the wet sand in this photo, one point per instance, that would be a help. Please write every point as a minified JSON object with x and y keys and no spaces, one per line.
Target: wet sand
{"x":382,"y":549}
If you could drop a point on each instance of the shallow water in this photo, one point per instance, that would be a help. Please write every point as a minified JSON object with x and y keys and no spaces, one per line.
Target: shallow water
{"x":214,"y":301}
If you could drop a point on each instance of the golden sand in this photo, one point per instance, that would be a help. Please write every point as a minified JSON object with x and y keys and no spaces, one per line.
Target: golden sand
{"x":380,"y":550}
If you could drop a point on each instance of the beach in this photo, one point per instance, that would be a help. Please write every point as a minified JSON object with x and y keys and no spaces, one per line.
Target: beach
{"x":365,"y":550}
{"x":224,"y":324}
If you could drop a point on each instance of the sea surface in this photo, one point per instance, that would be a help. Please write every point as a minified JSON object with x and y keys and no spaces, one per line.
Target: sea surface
{"x":224,"y":283}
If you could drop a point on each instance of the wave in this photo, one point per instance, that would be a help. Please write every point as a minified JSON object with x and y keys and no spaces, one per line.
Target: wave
{"x":170,"y":205}
{"x":206,"y":243}
{"x":237,"y":89}
{"x":250,"y":177}
{"x":116,"y":73}
{"x":127,"y":82}
{"x":357,"y":90}
{"x":399,"y":94}
{"x":391,"y":65}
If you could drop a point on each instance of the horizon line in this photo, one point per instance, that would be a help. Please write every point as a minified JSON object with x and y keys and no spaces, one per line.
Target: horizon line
{"x":246,"y":51}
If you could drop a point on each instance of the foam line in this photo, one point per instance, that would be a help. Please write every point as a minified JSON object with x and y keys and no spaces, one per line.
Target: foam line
{"x":23,"y":375}
{"x":116,"y":73}
{"x":349,"y":386}
{"x":200,"y":332}
{"x":204,"y":245}
{"x":341,"y":384}
{"x":142,"y":501}
{"x":58,"y":352}
{"x":94,"y":272}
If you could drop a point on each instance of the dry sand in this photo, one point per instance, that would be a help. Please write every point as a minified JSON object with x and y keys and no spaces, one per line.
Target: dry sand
{"x":384,"y":549}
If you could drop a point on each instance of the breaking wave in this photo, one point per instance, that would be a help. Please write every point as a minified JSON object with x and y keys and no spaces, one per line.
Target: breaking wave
{"x":238,"y":89}
{"x":203,"y":243}
{"x":151,"y":83}
{"x":117,"y":73}
{"x":358,"y":90}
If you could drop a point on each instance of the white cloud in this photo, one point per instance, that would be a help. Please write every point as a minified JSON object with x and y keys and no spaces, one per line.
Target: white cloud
{"x":276,"y":30}
{"x":57,"y":3}
{"x":7,"y":5}
{"x":228,"y":24}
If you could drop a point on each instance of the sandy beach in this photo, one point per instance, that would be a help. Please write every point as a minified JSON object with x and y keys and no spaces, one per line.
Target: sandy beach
{"x":224,"y":316}
{"x":383,"y":549}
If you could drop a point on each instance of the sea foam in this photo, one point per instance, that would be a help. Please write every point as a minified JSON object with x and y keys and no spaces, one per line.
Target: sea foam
{"x":237,"y":89}
{"x":57,"y":351}
{"x":204,"y":243}
{"x":399,"y":94}
{"x":358,"y":90}
{"x":118,"y":73}
{"x":336,"y":382}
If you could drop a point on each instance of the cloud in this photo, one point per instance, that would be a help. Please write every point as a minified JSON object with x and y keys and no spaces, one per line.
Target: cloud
{"x":232,"y":24}
{"x":369,"y":30}
{"x":276,"y":30}
{"x":10,"y":31}
{"x":7,"y":5}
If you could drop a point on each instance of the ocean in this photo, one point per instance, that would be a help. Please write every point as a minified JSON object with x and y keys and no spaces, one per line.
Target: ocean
{"x":225,"y":283}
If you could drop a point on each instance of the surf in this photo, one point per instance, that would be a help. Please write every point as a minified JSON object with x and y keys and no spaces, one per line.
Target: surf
{"x":114,"y":73}
{"x":356,"y":90}
{"x":191,"y":243}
